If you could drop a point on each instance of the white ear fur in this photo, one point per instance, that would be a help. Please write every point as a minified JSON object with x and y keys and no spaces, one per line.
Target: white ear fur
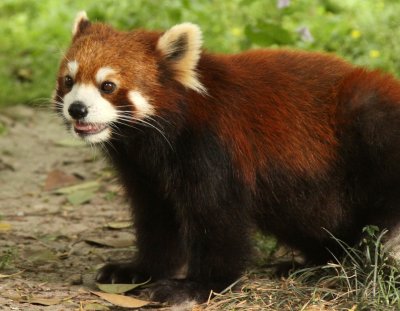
{"x":80,"y":17}
{"x":181,"y":45}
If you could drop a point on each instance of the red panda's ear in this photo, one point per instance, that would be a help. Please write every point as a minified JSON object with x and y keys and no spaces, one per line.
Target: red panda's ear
{"x":80,"y":24}
{"x":180,"y":47}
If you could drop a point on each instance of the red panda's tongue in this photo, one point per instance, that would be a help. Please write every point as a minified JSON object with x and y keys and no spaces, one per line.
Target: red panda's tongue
{"x":88,"y":128}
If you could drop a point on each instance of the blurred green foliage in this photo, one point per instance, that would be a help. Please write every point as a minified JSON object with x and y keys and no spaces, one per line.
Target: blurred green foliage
{"x":33,"y":34}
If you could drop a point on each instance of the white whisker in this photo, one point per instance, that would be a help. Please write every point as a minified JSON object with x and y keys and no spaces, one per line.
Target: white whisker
{"x":129,"y":118}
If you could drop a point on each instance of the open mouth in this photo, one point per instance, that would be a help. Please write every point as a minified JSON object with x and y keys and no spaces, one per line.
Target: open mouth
{"x":84,"y":128}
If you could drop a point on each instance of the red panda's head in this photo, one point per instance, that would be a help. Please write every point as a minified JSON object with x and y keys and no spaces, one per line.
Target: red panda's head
{"x":108,"y":77}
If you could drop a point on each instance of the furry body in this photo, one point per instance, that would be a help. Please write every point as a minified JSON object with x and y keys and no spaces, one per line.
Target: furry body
{"x":292,"y":143}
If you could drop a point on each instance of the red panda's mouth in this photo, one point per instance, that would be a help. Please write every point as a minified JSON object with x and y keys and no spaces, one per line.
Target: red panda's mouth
{"x":84,"y":128}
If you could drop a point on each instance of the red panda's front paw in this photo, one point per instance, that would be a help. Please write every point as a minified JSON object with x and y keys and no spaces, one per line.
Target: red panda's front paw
{"x":178,"y":291}
{"x":119,"y":273}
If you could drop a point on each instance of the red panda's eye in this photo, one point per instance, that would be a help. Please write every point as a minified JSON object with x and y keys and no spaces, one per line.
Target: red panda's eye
{"x":68,"y":82}
{"x":107,"y":87}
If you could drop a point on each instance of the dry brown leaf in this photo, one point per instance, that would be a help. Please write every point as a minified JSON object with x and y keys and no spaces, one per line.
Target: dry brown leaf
{"x":119,"y":288}
{"x":44,"y":301}
{"x":119,"y":224}
{"x":94,"y":307}
{"x":57,"y":179}
{"x":116,"y":243}
{"x":39,"y":300}
{"x":122,"y":301}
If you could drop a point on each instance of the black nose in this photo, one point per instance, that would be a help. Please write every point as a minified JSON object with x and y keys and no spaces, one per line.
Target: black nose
{"x":78,"y":110}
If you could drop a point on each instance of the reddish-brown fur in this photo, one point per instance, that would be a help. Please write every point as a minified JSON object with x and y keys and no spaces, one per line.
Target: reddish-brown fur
{"x":296,"y":108}
{"x":293,"y":143}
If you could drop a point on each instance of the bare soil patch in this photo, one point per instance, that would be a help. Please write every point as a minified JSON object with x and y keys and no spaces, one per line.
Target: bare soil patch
{"x":52,"y":243}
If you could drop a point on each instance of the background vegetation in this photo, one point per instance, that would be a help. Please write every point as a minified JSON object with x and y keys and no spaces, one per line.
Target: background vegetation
{"x":33,"y":34}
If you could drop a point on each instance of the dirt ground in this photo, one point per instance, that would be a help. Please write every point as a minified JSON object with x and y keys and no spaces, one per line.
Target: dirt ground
{"x":51,"y":243}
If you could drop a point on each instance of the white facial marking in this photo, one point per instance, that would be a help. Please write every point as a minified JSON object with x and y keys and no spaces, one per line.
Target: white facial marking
{"x":103,"y":73}
{"x":142,"y":106}
{"x":73,"y":67}
{"x":100,"y":110}
{"x":99,"y":137}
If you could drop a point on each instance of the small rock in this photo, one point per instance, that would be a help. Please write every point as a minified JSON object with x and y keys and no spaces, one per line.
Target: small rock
{"x":75,"y":279}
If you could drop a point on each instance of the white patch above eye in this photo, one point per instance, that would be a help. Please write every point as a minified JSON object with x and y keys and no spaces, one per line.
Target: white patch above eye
{"x":100,"y":110}
{"x":73,"y":67}
{"x":103,"y":73}
{"x":142,"y":106}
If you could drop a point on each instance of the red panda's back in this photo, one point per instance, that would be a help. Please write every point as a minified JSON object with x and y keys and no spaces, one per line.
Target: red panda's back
{"x":274,"y":106}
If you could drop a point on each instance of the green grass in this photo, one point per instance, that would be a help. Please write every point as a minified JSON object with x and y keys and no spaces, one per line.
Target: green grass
{"x":367,"y":276}
{"x":34,"y":34}
{"x":7,"y":258}
{"x":365,"y":279}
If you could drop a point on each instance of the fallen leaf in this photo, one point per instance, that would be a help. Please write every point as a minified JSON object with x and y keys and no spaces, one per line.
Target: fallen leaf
{"x":89,"y":185}
{"x":119,"y":225}
{"x":119,"y":288}
{"x":3,"y":276}
{"x":80,"y":197}
{"x":80,"y":193}
{"x":116,"y":243}
{"x":4,"y":226}
{"x":57,"y":179}
{"x":122,"y":301}
{"x":116,"y":288}
{"x":39,"y":300}
{"x":44,"y":301}
{"x":95,"y":307}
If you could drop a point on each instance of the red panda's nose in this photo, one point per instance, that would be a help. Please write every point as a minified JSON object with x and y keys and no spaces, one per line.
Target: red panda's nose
{"x":78,"y":110}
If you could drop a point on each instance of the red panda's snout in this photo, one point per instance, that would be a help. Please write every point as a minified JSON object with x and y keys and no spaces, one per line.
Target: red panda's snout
{"x":90,"y":114}
{"x":78,"y":110}
{"x":94,"y":111}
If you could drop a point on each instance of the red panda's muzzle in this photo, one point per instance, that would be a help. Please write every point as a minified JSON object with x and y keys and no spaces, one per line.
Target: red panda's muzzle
{"x":84,"y":128}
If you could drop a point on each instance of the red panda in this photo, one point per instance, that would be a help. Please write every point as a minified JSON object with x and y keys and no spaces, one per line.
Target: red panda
{"x":210,"y":147}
